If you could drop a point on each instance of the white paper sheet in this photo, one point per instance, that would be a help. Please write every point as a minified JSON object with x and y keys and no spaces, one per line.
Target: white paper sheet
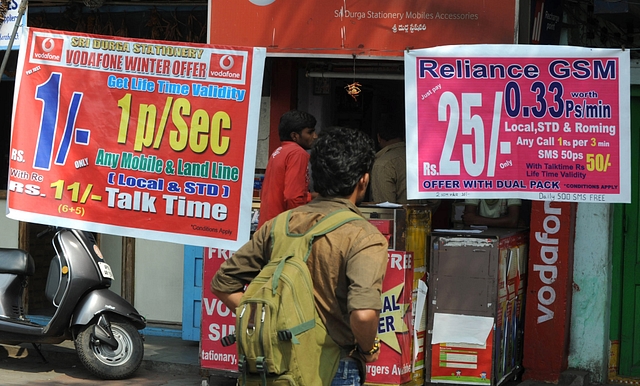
{"x":420,"y":303}
{"x":460,"y":231}
{"x":452,"y":328}
{"x":388,"y":204}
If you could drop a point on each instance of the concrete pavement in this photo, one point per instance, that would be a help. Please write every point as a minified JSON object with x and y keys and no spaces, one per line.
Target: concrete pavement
{"x":567,"y":378}
{"x":167,"y":361}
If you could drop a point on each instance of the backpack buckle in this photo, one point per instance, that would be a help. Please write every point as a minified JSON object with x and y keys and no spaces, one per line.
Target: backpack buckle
{"x":261,"y":369}
{"x":260,"y":365}
{"x":242,"y":364}
{"x":228,"y":340}
{"x":285,"y":335}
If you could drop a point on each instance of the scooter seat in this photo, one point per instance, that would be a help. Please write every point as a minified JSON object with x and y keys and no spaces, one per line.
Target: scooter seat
{"x":16,"y":261}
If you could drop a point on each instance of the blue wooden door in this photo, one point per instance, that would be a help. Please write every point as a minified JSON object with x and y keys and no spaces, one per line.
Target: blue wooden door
{"x":192,"y":292}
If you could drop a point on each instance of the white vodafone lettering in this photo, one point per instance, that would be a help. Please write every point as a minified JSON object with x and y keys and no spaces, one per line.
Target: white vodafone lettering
{"x":220,"y":253}
{"x":219,"y":331}
{"x":548,"y":272}
{"x":210,"y":307}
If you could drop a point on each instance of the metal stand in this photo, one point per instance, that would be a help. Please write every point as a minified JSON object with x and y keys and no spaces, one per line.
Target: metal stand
{"x":37,"y":347}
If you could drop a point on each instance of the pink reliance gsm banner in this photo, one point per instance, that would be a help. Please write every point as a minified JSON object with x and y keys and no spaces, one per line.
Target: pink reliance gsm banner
{"x":507,"y":121}
{"x":139,"y":138}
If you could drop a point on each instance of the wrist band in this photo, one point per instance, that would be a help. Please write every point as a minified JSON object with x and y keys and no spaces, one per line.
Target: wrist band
{"x":375,"y":349}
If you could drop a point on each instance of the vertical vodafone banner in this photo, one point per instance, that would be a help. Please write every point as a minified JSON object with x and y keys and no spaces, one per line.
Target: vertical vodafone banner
{"x":139,"y":138}
{"x":534,"y":122}
{"x":549,"y":290}
{"x":218,"y":321}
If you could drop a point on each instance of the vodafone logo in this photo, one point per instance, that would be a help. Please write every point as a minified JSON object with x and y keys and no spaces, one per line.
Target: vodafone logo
{"x":48,"y":45}
{"x":47,"y":48}
{"x":227,"y":66}
{"x":262,"y":3}
{"x":226,"y":62}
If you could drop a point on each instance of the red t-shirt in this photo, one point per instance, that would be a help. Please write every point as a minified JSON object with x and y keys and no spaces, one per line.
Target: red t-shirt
{"x":286,"y":181}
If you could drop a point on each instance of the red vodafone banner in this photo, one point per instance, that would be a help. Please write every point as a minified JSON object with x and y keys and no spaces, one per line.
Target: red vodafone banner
{"x":139,"y":138}
{"x":535,"y":122}
{"x":362,"y":28}
{"x":218,"y":321}
{"x":549,"y":290}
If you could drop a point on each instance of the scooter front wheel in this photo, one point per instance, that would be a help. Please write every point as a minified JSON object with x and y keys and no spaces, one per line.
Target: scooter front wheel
{"x":106,"y":362}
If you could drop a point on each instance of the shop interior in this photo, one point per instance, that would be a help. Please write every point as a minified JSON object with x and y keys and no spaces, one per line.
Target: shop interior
{"x":365,"y":94}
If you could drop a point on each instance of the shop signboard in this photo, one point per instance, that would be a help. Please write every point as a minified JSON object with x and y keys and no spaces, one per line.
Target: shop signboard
{"x":9,"y":24}
{"x":138,"y":138}
{"x":462,"y":363}
{"x":544,"y":123}
{"x":396,"y":328}
{"x":362,"y":28}
{"x":218,"y":321}
{"x":512,"y":275}
{"x":546,"y":23}
{"x":549,"y":290}
{"x":477,"y":286}
{"x":402,"y":347}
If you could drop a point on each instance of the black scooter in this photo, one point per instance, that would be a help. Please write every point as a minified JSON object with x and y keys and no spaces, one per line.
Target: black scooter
{"x":103,"y":326}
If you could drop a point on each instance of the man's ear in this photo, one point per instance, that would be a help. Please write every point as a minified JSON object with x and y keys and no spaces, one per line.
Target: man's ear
{"x":364,"y":180}
{"x":294,"y":136}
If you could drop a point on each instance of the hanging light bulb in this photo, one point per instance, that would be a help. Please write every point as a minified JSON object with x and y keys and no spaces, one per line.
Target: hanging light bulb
{"x":353,"y":89}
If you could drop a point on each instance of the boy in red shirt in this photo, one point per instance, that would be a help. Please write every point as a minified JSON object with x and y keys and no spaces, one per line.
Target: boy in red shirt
{"x":286,"y":180}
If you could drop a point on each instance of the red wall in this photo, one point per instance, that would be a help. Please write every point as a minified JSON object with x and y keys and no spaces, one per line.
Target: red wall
{"x":283,"y":96}
{"x":363,"y":28}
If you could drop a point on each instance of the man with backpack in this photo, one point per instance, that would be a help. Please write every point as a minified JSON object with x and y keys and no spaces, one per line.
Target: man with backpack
{"x":346,"y":258}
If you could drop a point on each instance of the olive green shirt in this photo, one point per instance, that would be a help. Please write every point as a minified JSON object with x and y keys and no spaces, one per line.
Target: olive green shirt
{"x":493,"y":208}
{"x":347,"y":265}
{"x":389,"y":175}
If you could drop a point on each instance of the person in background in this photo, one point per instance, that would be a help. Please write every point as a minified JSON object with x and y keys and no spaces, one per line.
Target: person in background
{"x":503,"y":213}
{"x":347,"y":265}
{"x":389,"y":174}
{"x":286,"y":180}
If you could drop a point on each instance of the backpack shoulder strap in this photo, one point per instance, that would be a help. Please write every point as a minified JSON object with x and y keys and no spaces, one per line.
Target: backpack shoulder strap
{"x":284,"y":243}
{"x":332,"y":221}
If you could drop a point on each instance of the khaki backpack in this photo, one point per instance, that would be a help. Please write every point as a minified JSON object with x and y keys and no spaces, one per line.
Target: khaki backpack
{"x":281,"y":339}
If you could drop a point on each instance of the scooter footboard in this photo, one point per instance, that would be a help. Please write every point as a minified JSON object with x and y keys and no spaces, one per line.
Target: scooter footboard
{"x":103,"y":300}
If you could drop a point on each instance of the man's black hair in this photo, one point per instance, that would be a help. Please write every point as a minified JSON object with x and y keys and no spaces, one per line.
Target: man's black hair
{"x":392,"y":126}
{"x":294,"y":121}
{"x":392,"y":131}
{"x":339,"y":158}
